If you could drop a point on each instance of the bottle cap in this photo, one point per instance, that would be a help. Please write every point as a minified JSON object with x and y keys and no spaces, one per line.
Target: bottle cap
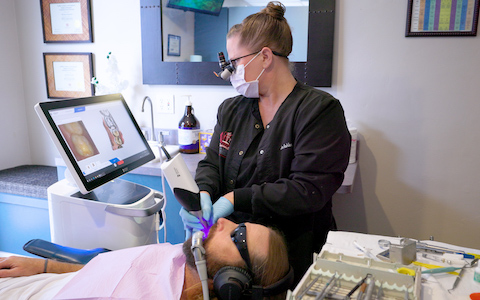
{"x":188,"y":102}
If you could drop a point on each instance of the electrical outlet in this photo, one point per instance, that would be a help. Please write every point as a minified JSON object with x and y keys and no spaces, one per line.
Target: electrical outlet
{"x":166,"y":105}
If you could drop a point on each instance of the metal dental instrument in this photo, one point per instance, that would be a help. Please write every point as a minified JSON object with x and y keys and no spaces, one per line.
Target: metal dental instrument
{"x":426,"y":247}
{"x":380,"y":291}
{"x":307,"y":288}
{"x":370,"y":287}
{"x":362,"y":290}
{"x":444,"y":258}
{"x":457,"y":280}
{"x":327,"y":287}
{"x":325,"y":292}
{"x":356,"y":287}
{"x":421,"y":246}
{"x":441,"y":270}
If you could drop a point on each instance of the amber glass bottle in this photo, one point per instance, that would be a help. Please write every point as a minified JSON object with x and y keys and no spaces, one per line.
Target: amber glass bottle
{"x":188,"y":130}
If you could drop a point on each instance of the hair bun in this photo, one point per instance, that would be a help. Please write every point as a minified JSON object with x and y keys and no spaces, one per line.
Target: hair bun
{"x":267,"y":28}
{"x":275,"y":9}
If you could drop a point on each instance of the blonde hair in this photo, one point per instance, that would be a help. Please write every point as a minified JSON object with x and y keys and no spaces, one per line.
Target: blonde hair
{"x":265,"y":270}
{"x":269,"y":270}
{"x":267,"y":28}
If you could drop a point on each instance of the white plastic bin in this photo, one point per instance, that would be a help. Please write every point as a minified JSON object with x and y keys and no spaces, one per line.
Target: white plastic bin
{"x":118,"y":215}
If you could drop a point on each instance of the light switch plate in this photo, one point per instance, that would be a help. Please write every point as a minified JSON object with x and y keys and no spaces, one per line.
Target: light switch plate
{"x":166,"y":105}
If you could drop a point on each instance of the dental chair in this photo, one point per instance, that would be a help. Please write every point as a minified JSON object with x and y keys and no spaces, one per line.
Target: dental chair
{"x":81,"y":243}
{"x":60,"y":253}
{"x":73,"y":253}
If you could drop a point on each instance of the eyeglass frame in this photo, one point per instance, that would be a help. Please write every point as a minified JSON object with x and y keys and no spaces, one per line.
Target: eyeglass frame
{"x":239,"y":238}
{"x":234,"y":64}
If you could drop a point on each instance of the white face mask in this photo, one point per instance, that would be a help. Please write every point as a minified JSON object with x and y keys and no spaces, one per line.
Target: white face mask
{"x":247,"y":89}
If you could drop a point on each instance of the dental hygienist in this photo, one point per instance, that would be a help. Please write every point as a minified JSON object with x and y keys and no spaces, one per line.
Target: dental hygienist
{"x":279,"y":150}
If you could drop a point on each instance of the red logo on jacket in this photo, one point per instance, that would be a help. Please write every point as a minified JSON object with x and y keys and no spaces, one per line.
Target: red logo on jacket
{"x":225,"y":140}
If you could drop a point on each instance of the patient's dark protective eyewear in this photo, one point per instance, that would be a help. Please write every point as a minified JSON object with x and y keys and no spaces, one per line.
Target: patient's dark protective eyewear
{"x":239,"y":237}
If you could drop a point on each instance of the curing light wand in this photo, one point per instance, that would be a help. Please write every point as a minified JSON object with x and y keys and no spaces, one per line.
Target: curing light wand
{"x":184,"y":187}
{"x":199,"y":255}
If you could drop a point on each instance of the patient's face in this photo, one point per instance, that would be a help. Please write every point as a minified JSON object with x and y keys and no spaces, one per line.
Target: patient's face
{"x":222,"y":251}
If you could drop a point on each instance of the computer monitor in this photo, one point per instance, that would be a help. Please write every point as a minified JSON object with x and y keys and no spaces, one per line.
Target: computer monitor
{"x":212,"y":7}
{"x":97,"y":137}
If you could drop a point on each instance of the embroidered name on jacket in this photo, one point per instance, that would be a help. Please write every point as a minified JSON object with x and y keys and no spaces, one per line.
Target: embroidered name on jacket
{"x":285,"y":146}
{"x":225,"y":140}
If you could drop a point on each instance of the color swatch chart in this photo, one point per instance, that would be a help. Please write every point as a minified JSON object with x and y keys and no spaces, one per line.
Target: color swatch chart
{"x":442,"y":15}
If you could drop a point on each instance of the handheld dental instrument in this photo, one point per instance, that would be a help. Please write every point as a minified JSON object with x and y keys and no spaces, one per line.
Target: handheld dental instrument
{"x":370,"y":287}
{"x":308,"y":287}
{"x":460,"y":275}
{"x":421,"y":246}
{"x":183,"y":186}
{"x":328,"y":286}
{"x":356,"y":286}
{"x":199,"y":255}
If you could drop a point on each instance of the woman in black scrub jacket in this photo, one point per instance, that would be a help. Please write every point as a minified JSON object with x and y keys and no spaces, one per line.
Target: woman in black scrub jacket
{"x":279,"y":150}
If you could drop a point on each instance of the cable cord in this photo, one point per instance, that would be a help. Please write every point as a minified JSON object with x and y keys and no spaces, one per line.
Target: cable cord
{"x":164,"y":188}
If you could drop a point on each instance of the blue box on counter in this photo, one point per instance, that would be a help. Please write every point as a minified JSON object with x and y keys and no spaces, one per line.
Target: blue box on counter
{"x":204,"y":137}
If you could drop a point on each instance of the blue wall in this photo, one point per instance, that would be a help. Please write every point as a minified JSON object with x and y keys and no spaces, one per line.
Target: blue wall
{"x":210,"y":31}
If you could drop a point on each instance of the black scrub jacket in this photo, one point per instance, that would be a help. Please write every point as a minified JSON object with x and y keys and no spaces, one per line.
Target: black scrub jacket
{"x":283,"y":175}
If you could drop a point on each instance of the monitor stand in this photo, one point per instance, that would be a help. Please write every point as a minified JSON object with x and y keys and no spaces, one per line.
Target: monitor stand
{"x":117,"y":215}
{"x":114,"y":192}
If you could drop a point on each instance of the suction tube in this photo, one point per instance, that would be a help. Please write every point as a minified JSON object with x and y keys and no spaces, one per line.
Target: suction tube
{"x":199,"y":254}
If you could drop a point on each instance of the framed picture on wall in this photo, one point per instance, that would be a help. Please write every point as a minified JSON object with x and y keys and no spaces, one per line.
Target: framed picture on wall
{"x":442,"y":18}
{"x":68,"y":75}
{"x":67,"y":21}
{"x":174,"y":45}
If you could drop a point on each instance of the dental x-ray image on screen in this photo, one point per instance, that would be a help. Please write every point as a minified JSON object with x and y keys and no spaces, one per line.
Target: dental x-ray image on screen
{"x":78,"y":139}
{"x":97,"y":137}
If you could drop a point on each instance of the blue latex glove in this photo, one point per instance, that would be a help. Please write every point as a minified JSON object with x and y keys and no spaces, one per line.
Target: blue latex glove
{"x":191,"y":223}
{"x":222,"y":208}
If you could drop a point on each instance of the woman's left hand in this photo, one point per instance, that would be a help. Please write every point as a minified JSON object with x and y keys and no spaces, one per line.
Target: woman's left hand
{"x":222,"y":208}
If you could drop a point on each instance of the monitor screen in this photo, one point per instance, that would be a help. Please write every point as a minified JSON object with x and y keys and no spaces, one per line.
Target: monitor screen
{"x":212,"y":7}
{"x":97,"y":137}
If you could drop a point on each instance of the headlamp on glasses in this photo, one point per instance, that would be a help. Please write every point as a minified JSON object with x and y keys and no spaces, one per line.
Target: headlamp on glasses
{"x":227,"y":67}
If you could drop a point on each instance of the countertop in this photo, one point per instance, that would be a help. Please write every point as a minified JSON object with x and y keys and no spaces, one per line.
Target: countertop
{"x":191,"y":160}
{"x":153,"y":169}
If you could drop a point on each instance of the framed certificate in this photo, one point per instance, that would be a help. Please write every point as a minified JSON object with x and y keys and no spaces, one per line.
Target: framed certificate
{"x":442,"y":18}
{"x":67,"y":21}
{"x":174,"y":45}
{"x":68,"y":75}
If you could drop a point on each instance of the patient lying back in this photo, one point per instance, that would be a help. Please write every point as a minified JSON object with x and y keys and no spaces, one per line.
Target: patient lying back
{"x":163,"y":271}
